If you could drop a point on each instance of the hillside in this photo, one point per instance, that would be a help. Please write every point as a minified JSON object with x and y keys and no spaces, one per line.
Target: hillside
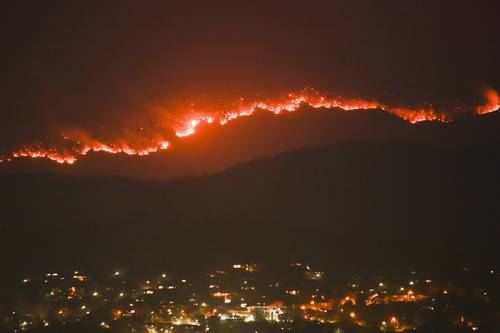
{"x":403,"y":200}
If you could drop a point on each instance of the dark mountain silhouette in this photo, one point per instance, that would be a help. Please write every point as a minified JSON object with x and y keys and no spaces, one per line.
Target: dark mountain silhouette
{"x":215,"y":148}
{"x":359,"y":204}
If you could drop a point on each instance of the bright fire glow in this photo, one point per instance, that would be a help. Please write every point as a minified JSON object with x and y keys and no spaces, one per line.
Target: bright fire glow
{"x":187,"y":125}
{"x":493,"y":102}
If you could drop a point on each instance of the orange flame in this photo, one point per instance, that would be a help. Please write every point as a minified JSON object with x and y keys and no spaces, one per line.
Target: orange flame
{"x":187,"y":125}
{"x":493,"y":102}
{"x":70,"y":158}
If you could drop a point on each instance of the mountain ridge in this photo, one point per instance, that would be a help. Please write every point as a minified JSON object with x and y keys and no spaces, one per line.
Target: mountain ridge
{"x":213,"y":148}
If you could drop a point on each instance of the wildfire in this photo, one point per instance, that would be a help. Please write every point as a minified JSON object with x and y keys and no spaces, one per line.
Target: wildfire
{"x":71,"y":157}
{"x":493,"y":102}
{"x":187,"y":125}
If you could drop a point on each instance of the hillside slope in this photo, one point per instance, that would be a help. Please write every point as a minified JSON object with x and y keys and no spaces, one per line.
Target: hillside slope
{"x":403,"y":201}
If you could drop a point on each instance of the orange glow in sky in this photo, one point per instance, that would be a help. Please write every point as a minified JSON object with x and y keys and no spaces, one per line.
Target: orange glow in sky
{"x":187,"y":124}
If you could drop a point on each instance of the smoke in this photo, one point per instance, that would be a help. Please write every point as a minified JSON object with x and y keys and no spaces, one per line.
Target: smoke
{"x":492,"y":102}
{"x":161,"y":126}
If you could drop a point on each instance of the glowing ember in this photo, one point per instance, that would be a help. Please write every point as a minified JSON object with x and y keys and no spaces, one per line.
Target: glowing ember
{"x":187,"y":125}
{"x":70,"y":158}
{"x":493,"y":102}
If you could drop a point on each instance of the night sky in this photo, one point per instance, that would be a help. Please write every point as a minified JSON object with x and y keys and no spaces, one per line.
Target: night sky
{"x":106,"y":69}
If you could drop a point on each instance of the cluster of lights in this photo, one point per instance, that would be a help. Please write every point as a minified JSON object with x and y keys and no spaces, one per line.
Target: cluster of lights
{"x":316,"y":305}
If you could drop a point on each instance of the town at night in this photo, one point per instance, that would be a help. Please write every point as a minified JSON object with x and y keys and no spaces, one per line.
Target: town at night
{"x":254,"y":298}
